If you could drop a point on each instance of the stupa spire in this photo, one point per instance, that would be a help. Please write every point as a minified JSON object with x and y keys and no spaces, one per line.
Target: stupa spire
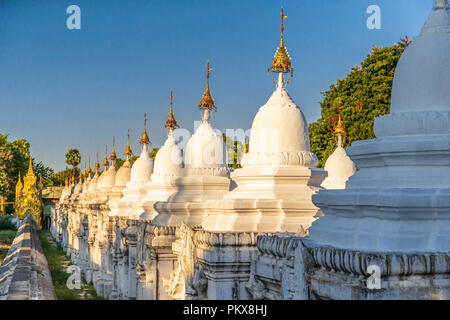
{"x":281,"y":62}
{"x":89,"y":170}
{"x":128,"y":151}
{"x":105,"y":161}
{"x":144,"y":138}
{"x":339,"y":129}
{"x":19,"y":181}
{"x":113,"y":155}
{"x":97,"y":165}
{"x":207,"y":101}
{"x":171,"y":123}
{"x":85,"y":174}
{"x":441,"y":4}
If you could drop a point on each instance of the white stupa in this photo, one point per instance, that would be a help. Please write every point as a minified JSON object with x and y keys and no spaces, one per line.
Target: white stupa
{"x":406,"y":168}
{"x":124,"y":173}
{"x":79,"y":186}
{"x":93,"y":183}
{"x":168,"y":167}
{"x":278,"y":174}
{"x":205,"y":176}
{"x":339,"y":166}
{"x":87,"y":180}
{"x":100,"y":179}
{"x":121,"y":178}
{"x":395,"y":211}
{"x":130,"y":205}
{"x":109,"y":175}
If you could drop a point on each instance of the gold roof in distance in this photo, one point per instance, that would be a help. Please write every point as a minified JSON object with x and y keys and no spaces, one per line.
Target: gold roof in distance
{"x":171,"y":123}
{"x":281,"y":62}
{"x":144,"y":137}
{"x":207,"y":102}
{"x":128,"y":151}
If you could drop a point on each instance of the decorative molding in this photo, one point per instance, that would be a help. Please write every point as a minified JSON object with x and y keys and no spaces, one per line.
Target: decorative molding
{"x":281,"y":158}
{"x":391,"y":264}
{"x":212,"y":239}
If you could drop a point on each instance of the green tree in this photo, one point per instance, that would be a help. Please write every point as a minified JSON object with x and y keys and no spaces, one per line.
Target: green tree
{"x":153,"y":153}
{"x":59,"y":178}
{"x":14,"y":157}
{"x":364,"y":94}
{"x":235,"y":150}
{"x":45,"y":172}
{"x":120,"y":161}
{"x":73,"y":157}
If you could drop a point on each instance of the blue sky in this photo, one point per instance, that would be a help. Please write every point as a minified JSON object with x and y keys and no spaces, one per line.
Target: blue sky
{"x":63,"y":88}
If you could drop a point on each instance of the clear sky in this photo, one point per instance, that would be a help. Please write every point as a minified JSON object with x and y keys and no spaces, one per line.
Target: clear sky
{"x":62,"y":88}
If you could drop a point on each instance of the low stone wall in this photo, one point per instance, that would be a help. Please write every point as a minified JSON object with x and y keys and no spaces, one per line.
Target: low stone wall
{"x":24,"y":274}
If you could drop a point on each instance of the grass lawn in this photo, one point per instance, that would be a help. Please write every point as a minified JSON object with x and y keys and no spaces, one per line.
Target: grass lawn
{"x":6,"y":238}
{"x":58,"y":263}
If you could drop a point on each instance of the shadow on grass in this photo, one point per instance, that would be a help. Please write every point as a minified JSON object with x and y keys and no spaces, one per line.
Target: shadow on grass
{"x":6,"y":239}
{"x":58,"y":263}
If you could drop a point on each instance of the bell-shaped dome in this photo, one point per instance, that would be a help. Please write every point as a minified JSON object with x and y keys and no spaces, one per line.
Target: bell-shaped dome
{"x":339,"y":167}
{"x":168,"y":160}
{"x":422,"y":76}
{"x":143,"y":167}
{"x":205,"y":148}
{"x":123,"y":174}
{"x":109,"y":177}
{"x":86,"y":182}
{"x":93,"y":182}
{"x":100,"y":179}
{"x":279,"y":134}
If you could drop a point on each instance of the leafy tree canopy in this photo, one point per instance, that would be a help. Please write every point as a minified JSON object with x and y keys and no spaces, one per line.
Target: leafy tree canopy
{"x":120,"y":161}
{"x":235,"y":150}
{"x":73,"y":157}
{"x":364,"y":94}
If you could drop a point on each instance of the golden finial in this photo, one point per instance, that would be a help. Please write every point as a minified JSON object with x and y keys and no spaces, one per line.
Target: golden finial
{"x":89,"y":170}
{"x":281,"y":62}
{"x":80,"y":177}
{"x":97,"y":165}
{"x":171,"y":123}
{"x":144,"y":137}
{"x":105,"y":161}
{"x":128,"y":151}
{"x":339,"y":129}
{"x":207,"y":102}
{"x":113,"y":155}
{"x":66,"y":182}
